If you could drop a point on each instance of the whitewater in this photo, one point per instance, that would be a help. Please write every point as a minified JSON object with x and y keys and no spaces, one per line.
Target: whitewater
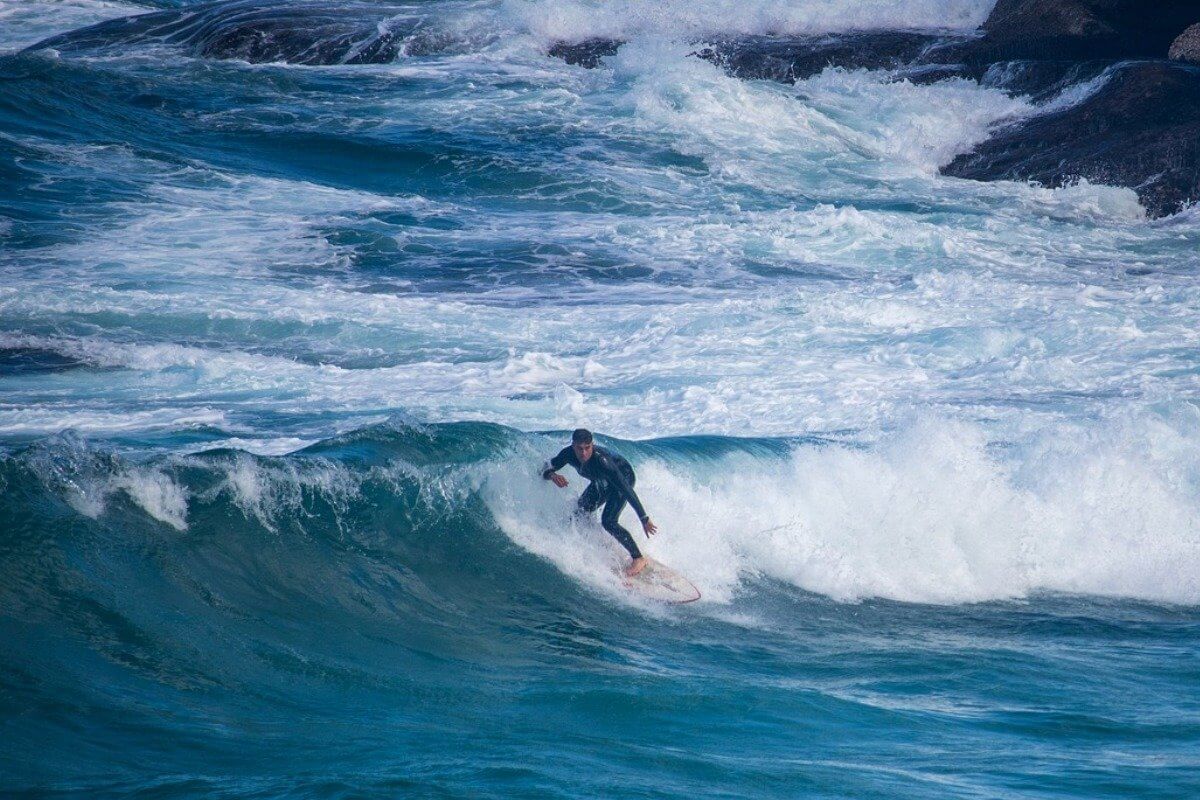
{"x":284,"y":345}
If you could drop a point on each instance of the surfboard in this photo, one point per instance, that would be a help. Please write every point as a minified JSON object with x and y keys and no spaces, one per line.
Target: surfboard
{"x":659,"y":582}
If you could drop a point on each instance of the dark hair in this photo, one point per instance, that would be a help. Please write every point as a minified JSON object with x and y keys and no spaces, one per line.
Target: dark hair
{"x":581,"y":436}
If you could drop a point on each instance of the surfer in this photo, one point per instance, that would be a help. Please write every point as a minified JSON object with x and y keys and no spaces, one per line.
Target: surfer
{"x":612,"y":482}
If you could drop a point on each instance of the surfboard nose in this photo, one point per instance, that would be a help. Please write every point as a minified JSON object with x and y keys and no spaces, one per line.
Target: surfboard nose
{"x":659,"y":582}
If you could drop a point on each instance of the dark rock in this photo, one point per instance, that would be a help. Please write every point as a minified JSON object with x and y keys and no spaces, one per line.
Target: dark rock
{"x":122,"y":30}
{"x":788,"y":59}
{"x":587,"y":53}
{"x":265,"y":31}
{"x":1038,"y":80}
{"x":1141,"y":129}
{"x":1016,"y":30}
{"x":262,"y":38}
{"x":792,"y":58}
{"x":1022,"y":18}
{"x":918,"y":57}
{"x":911,"y":55}
{"x":1083,"y":29}
{"x":1187,"y":46}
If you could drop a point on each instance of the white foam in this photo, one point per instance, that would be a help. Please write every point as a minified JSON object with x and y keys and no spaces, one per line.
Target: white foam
{"x":273,"y":492}
{"x":858,"y":352}
{"x":1080,"y":200}
{"x":574,"y":20}
{"x":922,"y":125}
{"x":155,"y":493}
{"x":1075,"y":94}
{"x":87,"y":478}
{"x":786,"y":260}
{"x":86,"y":498}
{"x":23,"y":419}
{"x":276,"y":446}
{"x":931,"y":514}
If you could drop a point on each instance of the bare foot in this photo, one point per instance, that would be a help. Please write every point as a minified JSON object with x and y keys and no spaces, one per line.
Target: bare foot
{"x":637,"y":566}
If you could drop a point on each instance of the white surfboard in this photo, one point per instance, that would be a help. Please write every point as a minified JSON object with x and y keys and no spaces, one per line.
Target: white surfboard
{"x":659,"y":582}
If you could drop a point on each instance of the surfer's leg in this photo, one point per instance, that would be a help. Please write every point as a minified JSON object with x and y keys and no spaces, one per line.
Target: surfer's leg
{"x":613,"y":506}
{"x":589,"y":501}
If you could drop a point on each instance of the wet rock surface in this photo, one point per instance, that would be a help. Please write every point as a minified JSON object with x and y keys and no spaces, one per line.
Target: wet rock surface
{"x":1186,"y":46}
{"x":260,"y":32}
{"x":793,"y":58}
{"x":588,"y":53}
{"x":1141,"y":130}
{"x":1085,"y":29}
{"x":1137,"y":131}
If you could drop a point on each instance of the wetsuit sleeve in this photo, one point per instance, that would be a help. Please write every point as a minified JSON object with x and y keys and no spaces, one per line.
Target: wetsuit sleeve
{"x":556,"y":463}
{"x":618,"y":480}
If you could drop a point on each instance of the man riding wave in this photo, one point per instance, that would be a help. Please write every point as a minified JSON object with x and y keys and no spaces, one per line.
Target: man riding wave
{"x":612,"y":482}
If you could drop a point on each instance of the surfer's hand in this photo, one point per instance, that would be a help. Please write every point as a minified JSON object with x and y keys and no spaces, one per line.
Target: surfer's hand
{"x":649,"y":527}
{"x":558,"y":480}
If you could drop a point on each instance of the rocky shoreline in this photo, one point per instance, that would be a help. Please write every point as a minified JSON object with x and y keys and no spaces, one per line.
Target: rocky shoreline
{"x":1139,"y":129}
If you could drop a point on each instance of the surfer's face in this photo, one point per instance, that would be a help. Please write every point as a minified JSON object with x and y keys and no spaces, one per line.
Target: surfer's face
{"x":582,"y":451}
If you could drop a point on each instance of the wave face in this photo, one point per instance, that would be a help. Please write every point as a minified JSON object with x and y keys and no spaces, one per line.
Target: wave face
{"x":413,"y":610}
{"x":296,"y":297}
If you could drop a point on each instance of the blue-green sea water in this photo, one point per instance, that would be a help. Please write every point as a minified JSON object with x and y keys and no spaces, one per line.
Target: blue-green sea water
{"x":297,"y":297}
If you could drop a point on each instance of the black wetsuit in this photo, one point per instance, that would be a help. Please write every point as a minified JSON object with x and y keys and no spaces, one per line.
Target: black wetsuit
{"x":612,"y":482}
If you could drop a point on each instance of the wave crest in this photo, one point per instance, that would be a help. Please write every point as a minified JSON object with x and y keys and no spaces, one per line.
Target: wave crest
{"x":932,"y":513}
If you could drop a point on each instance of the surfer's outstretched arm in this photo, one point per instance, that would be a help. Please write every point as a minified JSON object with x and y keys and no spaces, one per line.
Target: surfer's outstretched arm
{"x":550,"y":468}
{"x":628,"y":493}
{"x":617,"y":478}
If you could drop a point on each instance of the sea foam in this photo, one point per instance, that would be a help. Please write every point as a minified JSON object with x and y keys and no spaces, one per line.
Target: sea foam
{"x":931,"y":513}
{"x":581,"y":19}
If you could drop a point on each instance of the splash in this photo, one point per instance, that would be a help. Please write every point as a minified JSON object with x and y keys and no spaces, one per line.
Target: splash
{"x":932,"y":513}
{"x":578,"y":20}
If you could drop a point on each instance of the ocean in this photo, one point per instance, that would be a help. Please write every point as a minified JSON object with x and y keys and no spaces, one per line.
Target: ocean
{"x":285,"y":340}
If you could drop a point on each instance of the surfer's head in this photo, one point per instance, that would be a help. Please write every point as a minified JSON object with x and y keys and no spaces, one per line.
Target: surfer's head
{"x":581,"y":443}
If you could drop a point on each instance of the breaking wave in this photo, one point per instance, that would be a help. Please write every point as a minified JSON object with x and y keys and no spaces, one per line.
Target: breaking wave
{"x":931,"y":513}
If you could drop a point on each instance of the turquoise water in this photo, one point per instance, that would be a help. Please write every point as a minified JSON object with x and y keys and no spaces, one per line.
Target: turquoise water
{"x":352,"y":621}
{"x":283,"y":347}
